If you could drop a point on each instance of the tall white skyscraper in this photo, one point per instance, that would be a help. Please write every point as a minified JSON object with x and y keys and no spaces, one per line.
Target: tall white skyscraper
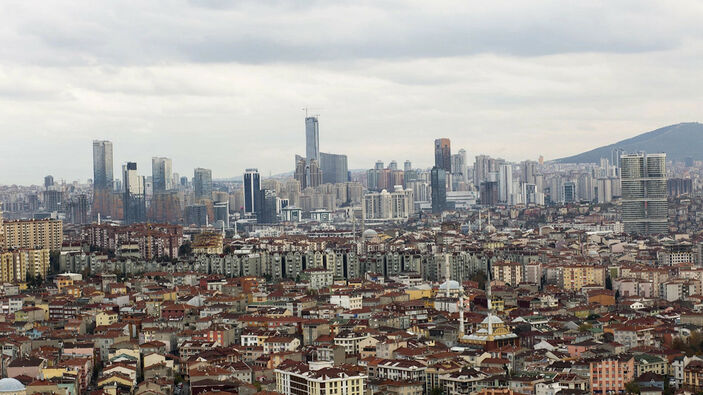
{"x":505,"y":184}
{"x":312,"y":139}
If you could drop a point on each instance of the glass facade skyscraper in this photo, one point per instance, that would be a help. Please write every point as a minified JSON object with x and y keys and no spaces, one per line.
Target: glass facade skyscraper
{"x":312,"y":139}
{"x":102,"y":165}
{"x":252,"y":191}
{"x":134,"y":194}
{"x":161,"y":174}
{"x":644,"y":193}
{"x":443,"y":155}
{"x":334,"y":168}
{"x":202,"y":183}
{"x":438,"y":179}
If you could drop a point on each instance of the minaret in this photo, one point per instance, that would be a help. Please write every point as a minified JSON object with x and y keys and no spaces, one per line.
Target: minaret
{"x":461,"y":314}
{"x":446,"y":274}
{"x":488,"y":301}
{"x":479,"y":221}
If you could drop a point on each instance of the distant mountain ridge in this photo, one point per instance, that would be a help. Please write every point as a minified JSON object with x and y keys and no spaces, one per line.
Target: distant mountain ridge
{"x":678,"y":141}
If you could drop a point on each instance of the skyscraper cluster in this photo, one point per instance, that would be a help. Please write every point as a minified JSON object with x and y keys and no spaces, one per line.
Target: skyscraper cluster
{"x":317,"y":167}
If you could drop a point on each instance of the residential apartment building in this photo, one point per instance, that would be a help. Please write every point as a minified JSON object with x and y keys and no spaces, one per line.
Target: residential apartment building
{"x":47,"y":233}
{"x":610,"y":375}
{"x":576,"y":277}
{"x":508,"y":272}
{"x":297,"y":378}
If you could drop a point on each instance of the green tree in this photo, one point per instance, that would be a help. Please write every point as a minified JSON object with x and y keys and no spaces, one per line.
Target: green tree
{"x":632,"y":388}
{"x":55,"y":261}
{"x":185,"y":249}
{"x":436,"y":391}
{"x":480,"y":278}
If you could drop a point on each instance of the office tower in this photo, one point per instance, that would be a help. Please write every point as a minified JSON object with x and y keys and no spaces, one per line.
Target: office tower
{"x":568,"y":192}
{"x":252,"y":190}
{"x":314,"y":178}
{"x":161,"y":176}
{"x":268,"y":214}
{"x":301,"y":171}
{"x":184,"y":181}
{"x":104,"y":203}
{"x":442,"y":155}
{"x":439,"y":189}
{"x":202,"y":183}
{"x":378,"y":165}
{"x":52,"y":200}
{"x":615,"y":155}
{"x":407,"y":166}
{"x":488,"y":193}
{"x":48,"y":181}
{"x":134,"y":200}
{"x":195,"y":214}
{"x":372,"y":176}
{"x":528,"y":171}
{"x":393,"y":165}
{"x":221,"y":211}
{"x":102,"y":165}
{"x":644,"y":193}
{"x":334,"y":168}
{"x":458,"y":165}
{"x":483,"y":167}
{"x":78,"y":210}
{"x":505,"y":184}
{"x":312,"y":139}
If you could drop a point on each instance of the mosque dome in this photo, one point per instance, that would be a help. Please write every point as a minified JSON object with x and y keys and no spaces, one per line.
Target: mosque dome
{"x":11,"y":385}
{"x":450,"y":284}
{"x":369,"y":234}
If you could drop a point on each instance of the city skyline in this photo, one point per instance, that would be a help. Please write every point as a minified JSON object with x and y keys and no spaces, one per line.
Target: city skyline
{"x":388,"y":73}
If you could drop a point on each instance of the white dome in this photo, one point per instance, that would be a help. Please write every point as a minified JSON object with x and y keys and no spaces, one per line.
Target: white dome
{"x":11,"y":385}
{"x":451,"y":284}
{"x":492,"y":319}
{"x":369,"y":233}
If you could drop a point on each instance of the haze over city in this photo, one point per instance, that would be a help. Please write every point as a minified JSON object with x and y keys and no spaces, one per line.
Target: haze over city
{"x":214,"y":197}
{"x":221,"y":84}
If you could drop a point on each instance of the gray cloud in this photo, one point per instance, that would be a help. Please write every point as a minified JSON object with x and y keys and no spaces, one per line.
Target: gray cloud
{"x":220,"y":83}
{"x":270,"y":31}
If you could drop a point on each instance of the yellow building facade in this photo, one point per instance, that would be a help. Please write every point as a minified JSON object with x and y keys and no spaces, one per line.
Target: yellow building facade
{"x":46,"y":233}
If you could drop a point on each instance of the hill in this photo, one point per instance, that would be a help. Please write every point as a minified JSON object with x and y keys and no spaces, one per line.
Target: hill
{"x":678,"y":141}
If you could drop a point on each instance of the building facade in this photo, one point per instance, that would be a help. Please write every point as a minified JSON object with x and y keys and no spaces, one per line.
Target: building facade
{"x":644,"y":193}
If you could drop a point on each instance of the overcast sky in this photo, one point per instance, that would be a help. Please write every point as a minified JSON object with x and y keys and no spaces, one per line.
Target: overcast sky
{"x":221,"y":84}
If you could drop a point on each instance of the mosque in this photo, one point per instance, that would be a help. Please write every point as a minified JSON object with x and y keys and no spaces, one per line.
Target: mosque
{"x":492,"y":332}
